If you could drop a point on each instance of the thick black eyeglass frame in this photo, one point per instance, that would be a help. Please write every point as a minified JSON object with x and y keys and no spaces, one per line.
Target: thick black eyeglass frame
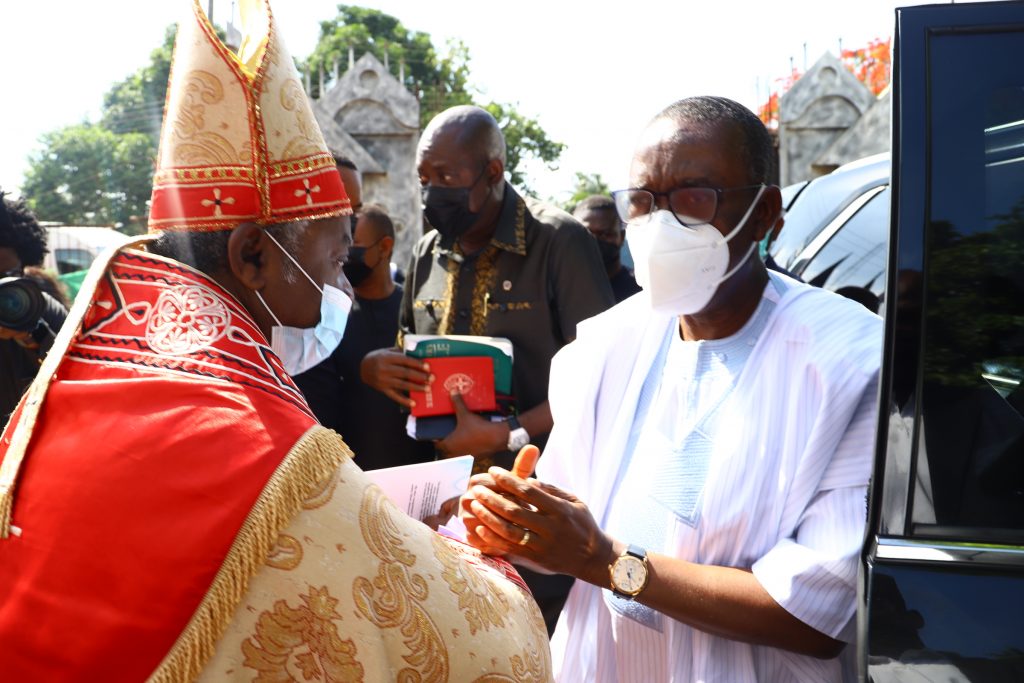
{"x":668,"y":195}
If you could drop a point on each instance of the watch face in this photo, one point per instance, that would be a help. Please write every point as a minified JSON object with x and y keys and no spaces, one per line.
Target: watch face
{"x":629,"y":574}
{"x":517,"y":439}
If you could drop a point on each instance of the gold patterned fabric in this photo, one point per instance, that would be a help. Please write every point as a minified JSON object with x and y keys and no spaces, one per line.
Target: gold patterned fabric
{"x":355,"y":590}
{"x":239,"y":140}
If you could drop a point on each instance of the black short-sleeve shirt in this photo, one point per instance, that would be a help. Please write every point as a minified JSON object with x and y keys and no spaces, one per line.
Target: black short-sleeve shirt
{"x":540,"y":275}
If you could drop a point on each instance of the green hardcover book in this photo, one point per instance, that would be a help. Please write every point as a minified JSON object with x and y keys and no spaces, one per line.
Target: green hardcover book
{"x":425,"y":346}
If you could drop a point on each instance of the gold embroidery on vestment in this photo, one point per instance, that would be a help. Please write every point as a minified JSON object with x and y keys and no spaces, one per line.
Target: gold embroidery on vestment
{"x":286,"y":555}
{"x":311,"y":459}
{"x":394,"y":597}
{"x":193,"y":145}
{"x":308,"y":142}
{"x":305,"y":639}
{"x":479,"y":599}
{"x":323,"y":492}
{"x":530,"y":667}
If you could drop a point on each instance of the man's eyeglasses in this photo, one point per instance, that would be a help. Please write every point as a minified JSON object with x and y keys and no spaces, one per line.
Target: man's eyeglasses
{"x":690,"y":205}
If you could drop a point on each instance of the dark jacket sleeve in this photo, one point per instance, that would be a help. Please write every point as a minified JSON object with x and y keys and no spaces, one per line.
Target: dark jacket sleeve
{"x":580,"y":287}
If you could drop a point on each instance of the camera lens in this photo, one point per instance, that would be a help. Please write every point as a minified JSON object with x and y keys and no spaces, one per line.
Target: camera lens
{"x":21,"y":304}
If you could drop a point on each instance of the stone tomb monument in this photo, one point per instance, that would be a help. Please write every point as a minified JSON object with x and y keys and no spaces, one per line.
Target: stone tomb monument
{"x":822,"y":105}
{"x":369,"y":116}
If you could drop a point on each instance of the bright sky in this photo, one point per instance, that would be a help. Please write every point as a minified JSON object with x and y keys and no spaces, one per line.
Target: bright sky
{"x":592,"y":73}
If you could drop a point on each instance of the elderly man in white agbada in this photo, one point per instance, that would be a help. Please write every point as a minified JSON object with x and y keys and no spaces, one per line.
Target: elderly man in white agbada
{"x":715,"y":432}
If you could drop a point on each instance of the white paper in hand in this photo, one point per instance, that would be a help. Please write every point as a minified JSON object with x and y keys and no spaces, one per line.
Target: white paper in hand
{"x":420,"y":489}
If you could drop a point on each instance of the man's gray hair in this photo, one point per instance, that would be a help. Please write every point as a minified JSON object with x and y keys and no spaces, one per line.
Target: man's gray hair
{"x":707,"y":109}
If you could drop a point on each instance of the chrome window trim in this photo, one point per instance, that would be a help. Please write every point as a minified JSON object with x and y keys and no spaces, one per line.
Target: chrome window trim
{"x":918,"y":550}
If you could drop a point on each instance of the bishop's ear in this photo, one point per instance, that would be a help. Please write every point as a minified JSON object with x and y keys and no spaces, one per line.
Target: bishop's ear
{"x":247,"y":255}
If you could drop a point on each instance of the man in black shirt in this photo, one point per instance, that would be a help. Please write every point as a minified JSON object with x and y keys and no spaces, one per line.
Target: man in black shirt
{"x":495,"y":264}
{"x":598,"y":215}
{"x":372,"y":425}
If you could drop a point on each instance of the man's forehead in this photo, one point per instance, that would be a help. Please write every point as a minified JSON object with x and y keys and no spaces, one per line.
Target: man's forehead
{"x":669,"y":147}
{"x":599,"y":219}
{"x":450,"y":146}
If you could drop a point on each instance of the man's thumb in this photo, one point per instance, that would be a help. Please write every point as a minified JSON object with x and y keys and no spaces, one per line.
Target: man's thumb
{"x":458,"y":403}
{"x":526,"y":461}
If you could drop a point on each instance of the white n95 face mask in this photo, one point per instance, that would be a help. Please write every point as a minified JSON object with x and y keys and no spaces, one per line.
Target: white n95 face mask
{"x":302,"y":348}
{"x":680,"y":267}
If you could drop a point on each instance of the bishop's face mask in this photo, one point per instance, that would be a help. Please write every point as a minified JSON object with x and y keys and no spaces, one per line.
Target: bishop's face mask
{"x":301,"y":348}
{"x":680,"y":267}
{"x":447,"y":209}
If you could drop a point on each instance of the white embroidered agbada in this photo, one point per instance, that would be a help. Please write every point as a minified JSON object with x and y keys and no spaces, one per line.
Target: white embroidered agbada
{"x":784,"y":493}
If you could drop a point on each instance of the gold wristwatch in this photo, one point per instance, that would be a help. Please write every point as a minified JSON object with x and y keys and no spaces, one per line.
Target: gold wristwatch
{"x":629,"y":573}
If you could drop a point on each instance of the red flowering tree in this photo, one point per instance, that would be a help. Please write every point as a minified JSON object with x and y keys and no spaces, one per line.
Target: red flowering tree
{"x":871,"y":64}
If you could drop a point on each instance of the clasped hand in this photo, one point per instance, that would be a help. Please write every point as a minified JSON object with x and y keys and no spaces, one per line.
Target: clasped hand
{"x":500,"y":509}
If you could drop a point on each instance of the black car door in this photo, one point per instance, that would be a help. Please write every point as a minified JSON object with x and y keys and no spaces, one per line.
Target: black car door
{"x":942,"y":585}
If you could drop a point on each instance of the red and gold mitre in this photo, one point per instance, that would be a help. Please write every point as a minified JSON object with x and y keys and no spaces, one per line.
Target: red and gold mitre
{"x":239,"y":141}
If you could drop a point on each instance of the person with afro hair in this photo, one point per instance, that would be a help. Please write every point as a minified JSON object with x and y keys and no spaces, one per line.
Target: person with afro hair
{"x":22,"y":245}
{"x":22,"y":239}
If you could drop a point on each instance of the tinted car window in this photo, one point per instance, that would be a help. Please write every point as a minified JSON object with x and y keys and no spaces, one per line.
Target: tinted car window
{"x":856,"y":255}
{"x":972,"y":402}
{"x":70,"y":260}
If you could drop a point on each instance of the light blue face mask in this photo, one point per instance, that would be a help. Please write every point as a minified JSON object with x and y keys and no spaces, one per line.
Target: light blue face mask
{"x":301,"y":348}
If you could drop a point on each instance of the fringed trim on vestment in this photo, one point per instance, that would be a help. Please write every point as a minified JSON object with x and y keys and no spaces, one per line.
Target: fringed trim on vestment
{"x":314,"y":458}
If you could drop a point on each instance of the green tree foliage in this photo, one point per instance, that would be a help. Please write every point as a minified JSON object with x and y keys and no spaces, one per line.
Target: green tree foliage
{"x":102,"y":173}
{"x":89,"y":175}
{"x":136,"y":104}
{"x":524,"y":138}
{"x":586,"y":184}
{"x":438,"y":81}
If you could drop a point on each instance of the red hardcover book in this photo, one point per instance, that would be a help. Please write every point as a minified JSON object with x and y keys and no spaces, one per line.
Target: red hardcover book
{"x":470,"y":376}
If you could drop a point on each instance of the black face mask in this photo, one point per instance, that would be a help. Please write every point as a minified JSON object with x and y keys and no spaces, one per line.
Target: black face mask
{"x":609,"y":253}
{"x":356,"y":268}
{"x":447,"y":209}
